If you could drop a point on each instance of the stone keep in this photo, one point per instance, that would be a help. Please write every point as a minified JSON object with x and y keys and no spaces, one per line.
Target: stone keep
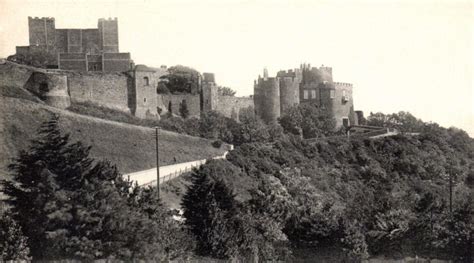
{"x":91,"y":49}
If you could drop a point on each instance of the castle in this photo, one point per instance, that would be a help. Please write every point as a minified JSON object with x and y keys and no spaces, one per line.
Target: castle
{"x":91,"y":69}
{"x":273,"y":96}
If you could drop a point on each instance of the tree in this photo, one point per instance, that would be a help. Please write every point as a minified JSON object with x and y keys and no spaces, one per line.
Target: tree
{"x":13,"y":244}
{"x":225,"y":91}
{"x":72,"y":207}
{"x":214,"y":125}
{"x":211,"y":213}
{"x":170,"y":108}
{"x":182,"y":79}
{"x":308,"y":121}
{"x":183,"y":109}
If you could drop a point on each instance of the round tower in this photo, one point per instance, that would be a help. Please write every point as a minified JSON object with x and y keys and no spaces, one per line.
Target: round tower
{"x":267,"y":99}
{"x":289,"y":93}
{"x":51,"y":88}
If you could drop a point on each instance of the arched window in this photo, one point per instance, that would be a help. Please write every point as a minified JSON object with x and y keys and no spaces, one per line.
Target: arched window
{"x":147,"y":81}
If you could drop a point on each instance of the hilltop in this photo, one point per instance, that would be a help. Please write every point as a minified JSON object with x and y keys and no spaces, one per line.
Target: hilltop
{"x":130,"y":147}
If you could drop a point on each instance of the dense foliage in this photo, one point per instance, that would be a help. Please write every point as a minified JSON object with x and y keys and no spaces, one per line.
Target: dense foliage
{"x":225,"y":91}
{"x":402,"y":121}
{"x":405,"y":195}
{"x":308,"y":121}
{"x":181,"y":79}
{"x":72,"y":207}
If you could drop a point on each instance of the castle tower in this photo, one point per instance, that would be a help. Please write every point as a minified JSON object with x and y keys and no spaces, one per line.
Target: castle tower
{"x":342,"y":104}
{"x":145,"y":84}
{"x":209,"y":95}
{"x":267,"y":98}
{"x":108,"y":35}
{"x":289,"y":93}
{"x":42,"y":33}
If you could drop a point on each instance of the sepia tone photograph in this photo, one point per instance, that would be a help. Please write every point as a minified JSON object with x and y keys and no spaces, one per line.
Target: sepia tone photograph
{"x":237,"y":131}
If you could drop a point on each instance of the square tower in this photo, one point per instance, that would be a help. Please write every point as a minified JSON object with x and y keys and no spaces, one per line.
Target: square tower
{"x":42,"y":33}
{"x":108,"y":35}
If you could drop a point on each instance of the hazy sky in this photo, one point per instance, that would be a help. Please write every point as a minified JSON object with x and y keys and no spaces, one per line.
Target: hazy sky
{"x":415,"y":56}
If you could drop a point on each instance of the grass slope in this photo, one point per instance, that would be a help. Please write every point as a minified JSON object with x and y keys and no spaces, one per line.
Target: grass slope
{"x":130,"y":147}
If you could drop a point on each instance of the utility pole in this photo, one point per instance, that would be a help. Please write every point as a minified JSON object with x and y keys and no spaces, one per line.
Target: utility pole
{"x":157,"y":166}
{"x":450,"y":194}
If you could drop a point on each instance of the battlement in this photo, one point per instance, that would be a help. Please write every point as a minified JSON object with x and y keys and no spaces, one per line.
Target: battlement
{"x":342,"y":84}
{"x":47,"y":19}
{"x":107,"y":19}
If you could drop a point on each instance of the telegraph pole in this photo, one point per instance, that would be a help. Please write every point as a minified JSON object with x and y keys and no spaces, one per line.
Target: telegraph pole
{"x":157,"y":166}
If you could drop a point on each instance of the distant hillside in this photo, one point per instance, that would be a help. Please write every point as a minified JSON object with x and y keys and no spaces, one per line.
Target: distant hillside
{"x":130,"y":147}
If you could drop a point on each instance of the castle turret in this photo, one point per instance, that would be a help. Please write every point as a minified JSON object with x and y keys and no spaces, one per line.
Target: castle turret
{"x":267,"y":98}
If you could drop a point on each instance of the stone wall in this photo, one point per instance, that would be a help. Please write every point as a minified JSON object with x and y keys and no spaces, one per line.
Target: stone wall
{"x":73,"y":61}
{"x":192,"y":101}
{"x":116,"y":62}
{"x":230,"y":106}
{"x":106,"y":89}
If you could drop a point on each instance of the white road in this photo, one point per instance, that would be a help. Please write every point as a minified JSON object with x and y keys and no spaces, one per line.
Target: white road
{"x":167,"y":172}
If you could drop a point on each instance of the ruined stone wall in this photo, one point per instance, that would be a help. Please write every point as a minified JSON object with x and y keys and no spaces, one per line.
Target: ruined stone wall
{"x":230,"y":106}
{"x":106,"y":89}
{"x":193,"y":103}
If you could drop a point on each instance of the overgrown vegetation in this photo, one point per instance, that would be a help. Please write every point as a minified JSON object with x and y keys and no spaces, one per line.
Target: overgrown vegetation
{"x":181,"y":79}
{"x":358,"y":198}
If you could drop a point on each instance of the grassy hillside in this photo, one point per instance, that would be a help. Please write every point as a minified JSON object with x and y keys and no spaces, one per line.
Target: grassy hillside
{"x":130,"y":147}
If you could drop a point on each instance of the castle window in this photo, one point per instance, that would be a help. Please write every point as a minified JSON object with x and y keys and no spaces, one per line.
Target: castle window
{"x":144,"y":100}
{"x":343,"y":93}
{"x":332,"y":94}
{"x":147,"y":81}
{"x":313,"y":94}
{"x":305,"y":94}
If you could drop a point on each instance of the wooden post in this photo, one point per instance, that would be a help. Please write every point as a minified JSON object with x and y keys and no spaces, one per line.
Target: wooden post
{"x":157,"y":166}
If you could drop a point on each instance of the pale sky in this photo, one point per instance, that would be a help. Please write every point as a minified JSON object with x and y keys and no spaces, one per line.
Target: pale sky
{"x":415,"y":56}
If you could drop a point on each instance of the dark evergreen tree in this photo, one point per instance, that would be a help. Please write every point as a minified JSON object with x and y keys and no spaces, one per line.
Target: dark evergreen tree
{"x":211,"y":215}
{"x":72,"y":208}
